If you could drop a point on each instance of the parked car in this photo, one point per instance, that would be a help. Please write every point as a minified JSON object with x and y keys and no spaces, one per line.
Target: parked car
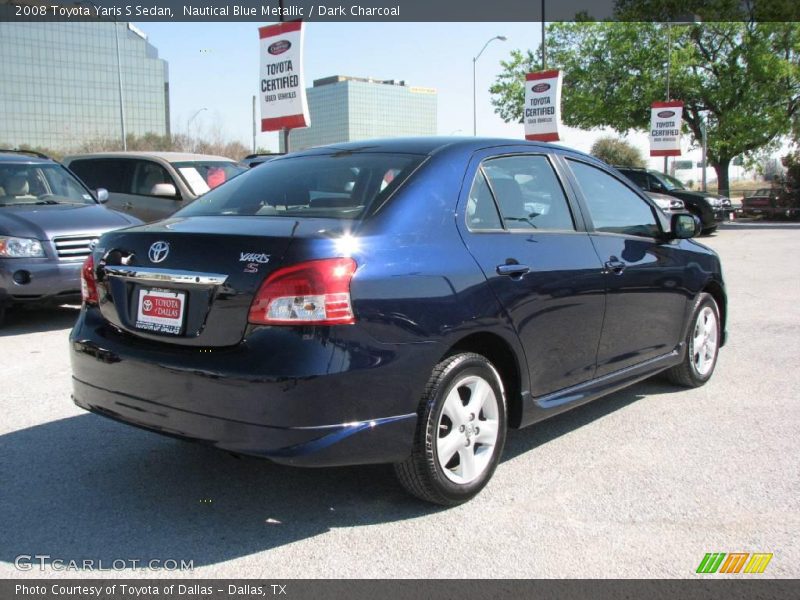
{"x":152,"y":185}
{"x":712,"y":209}
{"x":668,"y":204}
{"x":253,"y":160}
{"x":396,"y":301}
{"x":48,"y":221}
{"x":770,"y":203}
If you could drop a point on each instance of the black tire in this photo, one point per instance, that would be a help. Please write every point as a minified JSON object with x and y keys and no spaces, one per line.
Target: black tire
{"x":687,"y":374}
{"x":709,"y":230}
{"x":421,"y":474}
{"x":2,"y":314}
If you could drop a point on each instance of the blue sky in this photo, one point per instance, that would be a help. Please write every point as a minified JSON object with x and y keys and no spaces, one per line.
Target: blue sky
{"x":215,"y":66}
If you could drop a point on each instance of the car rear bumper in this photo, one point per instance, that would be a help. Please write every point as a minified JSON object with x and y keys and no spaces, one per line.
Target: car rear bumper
{"x":361,"y":411}
{"x":39,"y":280}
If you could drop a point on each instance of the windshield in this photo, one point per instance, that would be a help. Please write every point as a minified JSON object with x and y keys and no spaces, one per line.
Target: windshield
{"x":335,"y":186}
{"x":670,"y":182}
{"x":47,"y":183}
{"x":202,"y":176}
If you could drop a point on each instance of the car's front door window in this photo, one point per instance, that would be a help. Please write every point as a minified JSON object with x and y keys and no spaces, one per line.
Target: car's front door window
{"x":613,"y":206}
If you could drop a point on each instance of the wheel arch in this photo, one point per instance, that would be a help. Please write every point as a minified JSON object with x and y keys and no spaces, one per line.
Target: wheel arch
{"x":509,"y":364}
{"x":716,"y":291}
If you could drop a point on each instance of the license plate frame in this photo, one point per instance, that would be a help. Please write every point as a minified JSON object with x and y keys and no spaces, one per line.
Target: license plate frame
{"x":160,"y":311}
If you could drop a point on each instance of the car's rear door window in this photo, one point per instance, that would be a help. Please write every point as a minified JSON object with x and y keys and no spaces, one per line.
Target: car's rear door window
{"x":640,"y":178}
{"x":613,"y":206}
{"x":528,"y":193}
{"x":112,"y":174}
{"x":482,"y":212}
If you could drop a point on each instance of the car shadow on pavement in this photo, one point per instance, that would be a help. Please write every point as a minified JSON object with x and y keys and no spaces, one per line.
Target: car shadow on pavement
{"x":520,"y":441}
{"x":87,"y":488}
{"x":19,"y":321}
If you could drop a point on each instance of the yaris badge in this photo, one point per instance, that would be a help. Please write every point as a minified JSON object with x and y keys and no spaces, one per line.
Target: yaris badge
{"x":158,"y":251}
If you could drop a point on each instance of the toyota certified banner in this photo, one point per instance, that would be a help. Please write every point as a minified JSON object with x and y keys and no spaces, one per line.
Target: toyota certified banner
{"x":283,"y":91}
{"x":665,"y":128}
{"x":543,"y":106}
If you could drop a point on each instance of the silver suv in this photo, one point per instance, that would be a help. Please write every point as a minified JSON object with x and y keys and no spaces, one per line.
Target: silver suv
{"x":48,"y":223}
{"x":152,"y":185}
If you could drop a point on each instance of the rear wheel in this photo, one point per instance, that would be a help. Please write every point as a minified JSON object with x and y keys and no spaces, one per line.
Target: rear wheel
{"x":461,"y":432}
{"x":702,"y":345}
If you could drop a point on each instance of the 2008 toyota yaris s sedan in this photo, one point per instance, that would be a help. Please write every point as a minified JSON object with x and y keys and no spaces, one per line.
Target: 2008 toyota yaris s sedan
{"x":395,"y":301}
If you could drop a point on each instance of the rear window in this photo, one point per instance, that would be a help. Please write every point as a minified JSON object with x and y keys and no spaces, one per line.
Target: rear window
{"x":344,"y":185}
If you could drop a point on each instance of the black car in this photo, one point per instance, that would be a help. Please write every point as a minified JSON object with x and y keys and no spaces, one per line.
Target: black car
{"x":395,"y":301}
{"x":253,"y":160}
{"x":712,"y":209}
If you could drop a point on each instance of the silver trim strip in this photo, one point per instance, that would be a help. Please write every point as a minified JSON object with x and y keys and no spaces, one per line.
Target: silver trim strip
{"x":150,"y":274}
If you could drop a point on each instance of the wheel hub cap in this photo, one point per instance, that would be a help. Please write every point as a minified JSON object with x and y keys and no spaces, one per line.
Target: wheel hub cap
{"x":468,"y":429}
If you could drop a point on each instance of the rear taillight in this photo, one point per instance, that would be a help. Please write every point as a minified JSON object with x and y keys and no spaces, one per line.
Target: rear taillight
{"x":88,"y":282}
{"x":316,"y":292}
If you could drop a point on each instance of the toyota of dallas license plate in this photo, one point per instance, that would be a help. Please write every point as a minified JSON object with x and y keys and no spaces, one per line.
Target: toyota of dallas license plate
{"x":160,"y":311}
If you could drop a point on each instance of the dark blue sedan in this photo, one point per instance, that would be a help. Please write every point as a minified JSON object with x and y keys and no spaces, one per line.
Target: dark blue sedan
{"x":395,"y":301}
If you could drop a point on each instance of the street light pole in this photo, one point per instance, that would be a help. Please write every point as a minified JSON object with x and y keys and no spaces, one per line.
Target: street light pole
{"x":474,"y":84}
{"x":189,"y":124}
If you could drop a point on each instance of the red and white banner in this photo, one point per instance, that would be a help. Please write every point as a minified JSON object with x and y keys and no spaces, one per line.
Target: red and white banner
{"x":283,"y":90}
{"x":665,"y":128}
{"x":542,"y":116}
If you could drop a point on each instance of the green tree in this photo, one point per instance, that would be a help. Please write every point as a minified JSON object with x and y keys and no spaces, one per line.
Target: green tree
{"x":616,"y":151}
{"x":745,"y":76}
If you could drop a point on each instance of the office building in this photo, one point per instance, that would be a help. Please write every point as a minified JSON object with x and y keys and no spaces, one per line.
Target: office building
{"x":352,"y":108}
{"x":60,"y":84}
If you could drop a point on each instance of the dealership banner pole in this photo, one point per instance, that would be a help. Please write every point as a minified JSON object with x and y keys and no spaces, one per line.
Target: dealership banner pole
{"x":544,"y":42}
{"x":254,"y":125}
{"x":669,"y":67}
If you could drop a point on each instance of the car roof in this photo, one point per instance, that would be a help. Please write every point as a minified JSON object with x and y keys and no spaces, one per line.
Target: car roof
{"x":165,"y":156}
{"x":14,"y":157}
{"x":427,"y":145}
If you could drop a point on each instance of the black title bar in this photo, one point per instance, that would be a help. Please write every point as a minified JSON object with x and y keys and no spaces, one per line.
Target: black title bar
{"x":400,"y":10}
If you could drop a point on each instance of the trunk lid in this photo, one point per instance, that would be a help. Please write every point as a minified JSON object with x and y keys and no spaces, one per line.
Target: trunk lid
{"x":191,"y":281}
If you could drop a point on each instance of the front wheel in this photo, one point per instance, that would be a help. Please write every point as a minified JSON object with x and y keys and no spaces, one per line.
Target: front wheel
{"x":460,"y":434}
{"x":702,"y":345}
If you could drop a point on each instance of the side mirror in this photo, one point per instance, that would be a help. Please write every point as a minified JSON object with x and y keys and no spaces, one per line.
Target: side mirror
{"x":685,"y":226}
{"x":164,"y":189}
{"x":102,"y":195}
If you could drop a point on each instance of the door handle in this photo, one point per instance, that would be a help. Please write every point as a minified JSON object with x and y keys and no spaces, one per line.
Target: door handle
{"x":615,"y":266}
{"x":513,"y":270}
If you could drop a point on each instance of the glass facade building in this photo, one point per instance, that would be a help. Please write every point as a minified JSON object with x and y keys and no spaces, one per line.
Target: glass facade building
{"x":350,"y":108}
{"x":59,"y":88}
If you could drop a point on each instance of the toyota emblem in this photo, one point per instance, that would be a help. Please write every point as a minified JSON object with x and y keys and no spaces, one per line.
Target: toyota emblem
{"x":158,"y":251}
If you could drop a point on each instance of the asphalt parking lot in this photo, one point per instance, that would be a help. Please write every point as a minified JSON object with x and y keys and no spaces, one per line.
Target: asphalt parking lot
{"x":640,"y":484}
